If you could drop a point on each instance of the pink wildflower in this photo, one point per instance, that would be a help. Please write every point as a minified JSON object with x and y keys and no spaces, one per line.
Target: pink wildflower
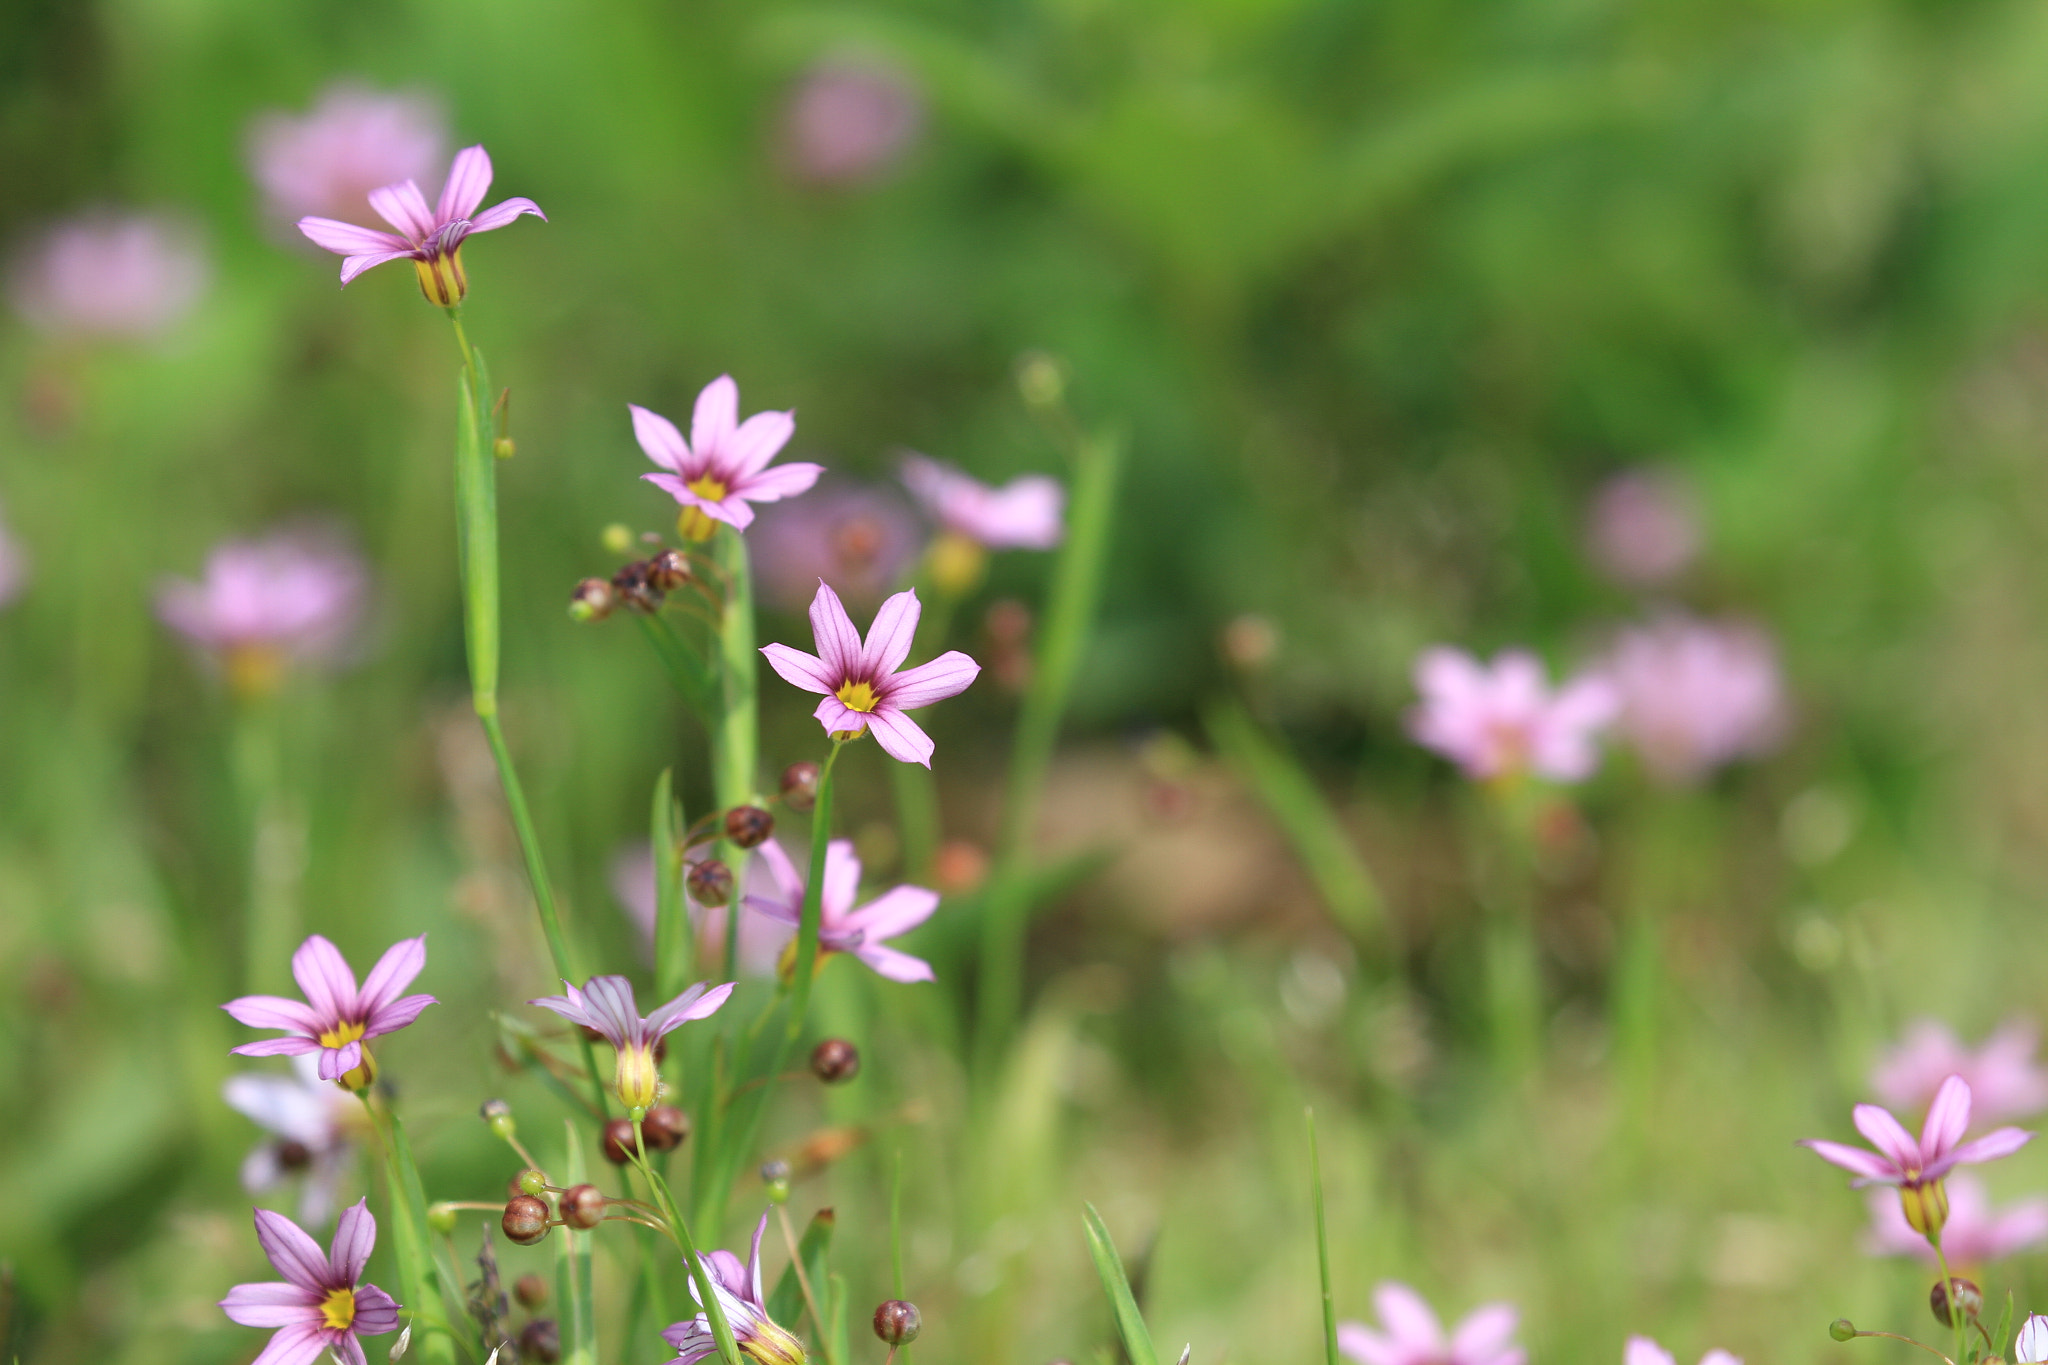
{"x":1917,"y":1167}
{"x":1696,"y":695}
{"x":351,"y":142}
{"x":2004,"y":1081}
{"x":849,"y":120}
{"x":430,"y":238}
{"x":312,"y":1126}
{"x":842,"y":926}
{"x":337,"y":1018}
{"x":1974,"y":1234}
{"x":606,"y":1004}
{"x":321,"y":1305}
{"x":289,"y":597}
{"x":738,"y":1290}
{"x":856,"y":536}
{"x":1643,"y":528}
{"x":1503,"y":721}
{"x":1023,"y":514}
{"x":723,"y":467}
{"x":128,"y":278}
{"x":1411,"y":1335}
{"x":1643,"y":1351}
{"x":859,"y":681}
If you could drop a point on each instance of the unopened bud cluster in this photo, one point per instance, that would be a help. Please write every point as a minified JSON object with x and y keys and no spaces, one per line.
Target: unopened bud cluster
{"x":640,"y":586}
{"x":663,"y":1128}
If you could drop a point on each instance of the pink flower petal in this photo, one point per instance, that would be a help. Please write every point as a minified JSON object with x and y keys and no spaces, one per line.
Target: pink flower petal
{"x":346,"y":239}
{"x":715,"y":418}
{"x":838,"y":718}
{"x":355,"y":1237}
{"x":609,"y":999}
{"x":323,"y":974}
{"x":838,"y":642}
{"x":782,"y":481}
{"x":1363,"y":1344}
{"x":1990,"y":1147}
{"x":347,"y":1350}
{"x":396,"y":1015}
{"x":376,"y":1312}
{"x":298,"y":1344}
{"x":1887,"y":1135}
{"x":295,"y":1046}
{"x":336,"y":1062}
{"x":890,"y":637}
{"x":799,"y":669}
{"x":901,"y":737}
{"x":1643,"y":1351}
{"x":469,"y":180}
{"x":275,"y":1011}
{"x":405,"y":208}
{"x":700,"y":1001}
{"x":892,"y":965}
{"x":946,"y":676}
{"x":1867,"y":1165}
{"x":297,"y":1257}
{"x":1407,"y":1318}
{"x":356,"y":265}
{"x":754,"y":443}
{"x":896,"y":911}
{"x":661,"y":440}
{"x":1486,"y":1331}
{"x":503,"y":215}
{"x":842,"y":882}
{"x":394,"y":971}
{"x":1948,"y":1118}
{"x":271,"y":1305}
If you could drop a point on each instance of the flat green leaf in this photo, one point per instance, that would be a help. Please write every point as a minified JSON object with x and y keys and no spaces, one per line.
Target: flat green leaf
{"x":1130,"y":1323}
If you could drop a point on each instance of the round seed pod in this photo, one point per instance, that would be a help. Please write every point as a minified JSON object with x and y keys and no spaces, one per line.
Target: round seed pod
{"x":583,"y":1206}
{"x":748,"y":826}
{"x":525,"y":1220}
{"x":668,"y":570}
{"x":541,"y":1340}
{"x":897,"y":1322}
{"x":498,"y":1115}
{"x":531,"y":1291}
{"x":835,"y":1061}
{"x":1953,"y":1299}
{"x":532,"y":1182}
{"x":664,"y":1128}
{"x":593,"y":600}
{"x":709,"y":882}
{"x":618,"y":1142}
{"x":800,"y":786}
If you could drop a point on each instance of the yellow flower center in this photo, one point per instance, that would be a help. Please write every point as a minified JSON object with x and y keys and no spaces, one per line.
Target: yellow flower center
{"x":635,"y":1078}
{"x":857,"y":696}
{"x":441,"y":277}
{"x":341,"y":1035}
{"x":691,"y":523}
{"x":957,"y":564}
{"x":338,"y":1309}
{"x":253,"y":671}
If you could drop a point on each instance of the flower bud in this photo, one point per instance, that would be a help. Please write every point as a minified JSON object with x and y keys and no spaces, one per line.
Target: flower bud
{"x":800,"y":786}
{"x":775,"y":1175}
{"x":498,"y":1115}
{"x":532,"y":1182}
{"x":668,"y":570}
{"x":709,"y":882}
{"x":635,"y":1078}
{"x":1925,"y":1207}
{"x":525,"y":1220}
{"x":897,"y":1323}
{"x":1953,"y":1299}
{"x":583,"y":1206}
{"x":593,"y":600}
{"x":618,"y":1142}
{"x":748,"y":826}
{"x":531,"y":1291}
{"x":503,"y":448}
{"x":664,"y":1128}
{"x":1841,"y":1329}
{"x":633,"y":589}
{"x":541,"y":1340}
{"x":441,"y":1217}
{"x":617,"y":539}
{"x":835,"y":1061}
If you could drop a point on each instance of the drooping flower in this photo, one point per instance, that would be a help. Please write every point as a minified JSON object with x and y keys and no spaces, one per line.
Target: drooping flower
{"x":848,"y":120}
{"x":1696,"y":695}
{"x":120,"y":277}
{"x":1643,"y":528}
{"x":738,"y":1290}
{"x":857,"y":536}
{"x":723,"y":467}
{"x":312,"y":1125}
{"x":351,"y":142}
{"x":1504,"y":721}
{"x":430,"y":238}
{"x":293,"y":596}
{"x":1643,"y":1351}
{"x":1975,"y":1233}
{"x":606,"y":1004}
{"x":761,"y":939}
{"x":337,"y":1019}
{"x":859,"y":681}
{"x":1411,"y":1335}
{"x":1917,"y":1167}
{"x":13,"y":567}
{"x":974,"y":518}
{"x":843,"y":927}
{"x":2030,"y":1346}
{"x":321,"y":1304}
{"x":2005,"y":1082}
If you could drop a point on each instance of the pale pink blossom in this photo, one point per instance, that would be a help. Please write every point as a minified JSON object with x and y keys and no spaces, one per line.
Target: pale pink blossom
{"x":1023,"y":514}
{"x":1409,"y":1333}
{"x":1504,"y":720}
{"x":722,"y":469}
{"x":294,"y":596}
{"x":129,"y":278}
{"x":606,"y":1004}
{"x":312,"y":1125}
{"x":1974,"y":1234}
{"x":337,"y":1018}
{"x":1643,"y":1351}
{"x":850,"y":119}
{"x":1643,"y":528}
{"x":855,"y":536}
{"x":1910,"y":1163}
{"x":352,"y":141}
{"x":2005,"y":1082}
{"x":843,"y":927}
{"x":1696,"y":695}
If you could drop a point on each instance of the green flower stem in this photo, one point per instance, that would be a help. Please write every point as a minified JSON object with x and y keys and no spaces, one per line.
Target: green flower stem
{"x":573,"y":1270}
{"x":1315,"y":1177}
{"x":417,"y":1274}
{"x":673,"y":947}
{"x":1956,"y":1318}
{"x":679,"y":1231}
{"x":735,"y":740}
{"x":271,"y":928}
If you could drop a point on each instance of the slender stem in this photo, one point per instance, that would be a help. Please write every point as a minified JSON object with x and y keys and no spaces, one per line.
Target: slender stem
{"x":272,"y":928}
{"x":796,"y":1263}
{"x":1894,"y":1336}
{"x":896,"y":1237}
{"x":813,"y":909}
{"x":1315,"y":1176}
{"x":679,"y":1231}
{"x":1948,"y":1293}
{"x":736,"y":739}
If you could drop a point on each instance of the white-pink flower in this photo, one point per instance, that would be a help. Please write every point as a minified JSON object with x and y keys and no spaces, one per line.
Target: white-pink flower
{"x":849,"y":119}
{"x":128,"y":278}
{"x":1975,"y":1233}
{"x":1023,"y":514}
{"x":844,"y":927}
{"x":294,"y":596}
{"x":1643,"y":1351}
{"x":1697,"y":694}
{"x":352,"y":141}
{"x":1504,"y":720}
{"x":1410,"y":1334}
{"x":723,"y":467}
{"x":2004,"y":1081}
{"x":1643,"y":528}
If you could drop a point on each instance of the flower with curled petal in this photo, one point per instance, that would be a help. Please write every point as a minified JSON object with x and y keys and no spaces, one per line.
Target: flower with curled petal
{"x":1917,"y":1166}
{"x":1500,"y":722}
{"x":606,"y":1004}
{"x":431,"y":238}
{"x":738,"y":1290}
{"x":723,"y":467}
{"x":843,"y":927}
{"x":862,"y":689}
{"x":336,"y":1019}
{"x":975,"y":518}
{"x":321,"y":1304}
{"x":1412,"y":1335}
{"x":1643,"y":1351}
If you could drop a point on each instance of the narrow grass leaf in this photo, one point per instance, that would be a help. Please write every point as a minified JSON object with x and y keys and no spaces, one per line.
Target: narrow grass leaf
{"x":1130,"y":1323}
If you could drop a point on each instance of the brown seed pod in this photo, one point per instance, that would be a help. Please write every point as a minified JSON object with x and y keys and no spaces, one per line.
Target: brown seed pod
{"x":583,"y":1206}
{"x":835,"y":1061}
{"x":541,"y":1340}
{"x":525,"y":1220}
{"x":748,"y":826}
{"x":897,"y":1322}
{"x":800,"y":786}
{"x":668,"y":570}
{"x":618,"y":1142}
{"x":664,"y":1128}
{"x":531,"y":1291}
{"x":709,"y":882}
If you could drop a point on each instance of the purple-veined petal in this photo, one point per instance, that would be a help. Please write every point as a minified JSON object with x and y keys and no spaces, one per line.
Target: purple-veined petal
{"x":889,"y":638}
{"x":1990,"y":1147}
{"x":1363,"y":1344}
{"x":1887,"y":1135}
{"x":469,"y":180}
{"x":660,"y":439}
{"x":2031,"y":1345}
{"x":946,"y":676}
{"x":297,"y":1257}
{"x":837,"y":717}
{"x":901,"y":737}
{"x":271,"y":1305}
{"x":1948,"y":1118}
{"x":896,"y":911}
{"x":355,"y":1236}
{"x":298,"y":1344}
{"x":725,"y":1271}
{"x":346,"y":239}
{"x":799,"y":669}
{"x":394,"y":971}
{"x":405,"y":208}
{"x":754,"y":1295}
{"x":323,"y":974}
{"x":715,"y":418}
{"x":295,"y":1046}
{"x":336,"y":1062}
{"x":504,"y":214}
{"x":754,"y":443}
{"x":609,"y":999}
{"x":698,"y":1002}
{"x":1867,"y":1165}
{"x":356,"y":265}
{"x":376,"y":1312}
{"x":280,"y":1104}
{"x":842,"y":882}
{"x":1407,"y":1318}
{"x":396,"y":1015}
{"x":782,"y":481}
{"x":832,"y":629}
{"x":1486,"y":1331}
{"x":345,"y":1349}
{"x":274,"y":1011}
{"x":893,"y":964}
{"x":569,"y":1006}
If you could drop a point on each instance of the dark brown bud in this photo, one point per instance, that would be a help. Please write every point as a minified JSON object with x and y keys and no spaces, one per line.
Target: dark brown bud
{"x":668,"y":570}
{"x":1955,"y":1298}
{"x":800,"y":786}
{"x":526,"y":1219}
{"x":541,"y":1340}
{"x":531,"y":1291}
{"x":633,"y":588}
{"x":709,"y":882}
{"x":897,"y":1322}
{"x":618,"y":1142}
{"x":583,"y":1206}
{"x":749,"y":826}
{"x":664,"y":1128}
{"x":292,"y":1156}
{"x":835,"y":1061}
{"x":593,"y":600}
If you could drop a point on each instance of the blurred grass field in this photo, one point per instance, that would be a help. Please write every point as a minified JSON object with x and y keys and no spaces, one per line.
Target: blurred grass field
{"x":1377,"y":296}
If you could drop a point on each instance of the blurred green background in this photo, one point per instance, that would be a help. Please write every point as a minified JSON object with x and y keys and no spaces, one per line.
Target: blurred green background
{"x":1378,"y":294}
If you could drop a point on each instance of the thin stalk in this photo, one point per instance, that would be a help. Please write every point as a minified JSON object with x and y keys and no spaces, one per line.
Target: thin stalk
{"x":271,"y":929}
{"x":679,"y":1232}
{"x":1955,"y":1314}
{"x":735,"y":739}
{"x":896,"y":1229}
{"x":1315,"y":1177}
{"x":796,"y":1263}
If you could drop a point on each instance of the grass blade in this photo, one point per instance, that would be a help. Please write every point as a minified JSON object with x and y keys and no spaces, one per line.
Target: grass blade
{"x":1130,"y":1323}
{"x":1315,"y":1179}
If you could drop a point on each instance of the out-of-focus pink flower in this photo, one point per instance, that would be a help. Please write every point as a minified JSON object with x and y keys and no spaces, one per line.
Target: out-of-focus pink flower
{"x":1504,"y":720}
{"x":1918,"y":1166}
{"x":1643,"y":528}
{"x":294,"y":596}
{"x":126,"y":278}
{"x":13,"y":567}
{"x":723,"y":468}
{"x":2004,"y":1081}
{"x":1643,"y":1351}
{"x":312,"y":1126}
{"x":1411,"y":1335}
{"x":352,"y":141}
{"x":761,"y":939}
{"x":1974,"y":1234}
{"x":337,"y":1019}
{"x":1697,"y":694}
{"x":843,"y":927}
{"x":860,"y":684}
{"x":848,"y":120}
{"x":606,"y":1004}
{"x":855,"y":536}
{"x":321,"y":1307}
{"x":1023,"y":514}
{"x":431,"y":238}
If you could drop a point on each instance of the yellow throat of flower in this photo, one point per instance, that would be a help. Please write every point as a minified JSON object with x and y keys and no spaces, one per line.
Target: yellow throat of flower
{"x":770,"y":1344}
{"x":1925,"y":1207}
{"x":253,"y":671}
{"x":857,"y":696}
{"x":636,"y":1078}
{"x":441,"y":278}
{"x":691,"y":522}
{"x":957,"y":563}
{"x":338,"y":1309}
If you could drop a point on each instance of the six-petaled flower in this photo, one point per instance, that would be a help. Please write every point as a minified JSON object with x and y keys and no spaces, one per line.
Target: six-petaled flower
{"x":321,"y":1304}
{"x":1916,"y":1167}
{"x":1503,"y":721}
{"x":843,"y":927}
{"x":337,"y":1019}
{"x":606,"y":1004}
{"x":723,"y":468}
